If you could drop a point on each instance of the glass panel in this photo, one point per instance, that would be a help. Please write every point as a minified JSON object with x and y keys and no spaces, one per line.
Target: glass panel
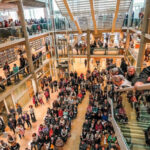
{"x":19,"y":91}
{"x":9,"y":102}
{"x":24,"y":99}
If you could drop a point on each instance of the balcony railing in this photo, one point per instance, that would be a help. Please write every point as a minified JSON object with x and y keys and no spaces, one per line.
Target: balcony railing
{"x":16,"y":32}
{"x":135,"y":23}
{"x":121,"y":140}
{"x":14,"y":78}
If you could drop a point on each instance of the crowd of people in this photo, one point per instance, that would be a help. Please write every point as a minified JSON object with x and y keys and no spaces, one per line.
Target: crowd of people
{"x":57,"y":123}
{"x":18,"y":121}
{"x":13,"y":23}
{"x":81,"y":48}
{"x":97,"y":132}
{"x":126,"y":76}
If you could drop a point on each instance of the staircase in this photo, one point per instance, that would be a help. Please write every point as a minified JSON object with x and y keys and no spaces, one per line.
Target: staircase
{"x":134,"y":131}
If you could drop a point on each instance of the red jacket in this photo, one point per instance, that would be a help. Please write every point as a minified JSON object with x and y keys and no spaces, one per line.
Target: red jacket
{"x":60,"y":113}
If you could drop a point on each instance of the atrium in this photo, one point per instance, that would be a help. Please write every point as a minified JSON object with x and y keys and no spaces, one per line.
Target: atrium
{"x":74,"y":74}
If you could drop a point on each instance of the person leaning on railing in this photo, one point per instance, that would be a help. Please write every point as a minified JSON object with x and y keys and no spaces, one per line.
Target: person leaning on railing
{"x":16,"y":72}
{"x":144,"y":77}
{"x":131,"y":75}
{"x":22,"y":64}
{"x":6,"y":69}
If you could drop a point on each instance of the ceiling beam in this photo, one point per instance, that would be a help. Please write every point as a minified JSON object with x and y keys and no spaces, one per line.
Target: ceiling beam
{"x":93,"y":16}
{"x":116,"y":16}
{"x":71,"y":16}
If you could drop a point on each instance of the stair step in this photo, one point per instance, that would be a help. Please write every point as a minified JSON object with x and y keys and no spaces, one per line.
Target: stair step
{"x":136,"y":141}
{"x":145,"y":121}
{"x":140,"y":122}
{"x":133,"y":127}
{"x":145,"y":115}
{"x":140,"y":147}
{"x":134,"y":135}
{"x":132,"y":130}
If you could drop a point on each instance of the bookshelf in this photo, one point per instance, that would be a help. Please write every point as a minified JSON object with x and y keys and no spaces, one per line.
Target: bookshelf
{"x":8,"y":55}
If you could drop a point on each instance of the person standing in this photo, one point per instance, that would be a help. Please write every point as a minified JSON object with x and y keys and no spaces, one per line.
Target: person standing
{"x":27,"y":119}
{"x":51,"y":86}
{"x":35,"y":101}
{"x":22,"y":63}
{"x":15,"y":71}
{"x":32,"y":114}
{"x":106,"y":48}
{"x":2,"y":124}
{"x":19,"y":109}
{"x":47,"y":95}
{"x":34,"y":141}
{"x":21,"y":121}
{"x":77,"y":48}
{"x":6,"y":69}
{"x":12,"y":124}
{"x":41,"y":99}
{"x":20,"y":131}
{"x":123,"y":66}
{"x":55,"y":85}
{"x":85,"y":62}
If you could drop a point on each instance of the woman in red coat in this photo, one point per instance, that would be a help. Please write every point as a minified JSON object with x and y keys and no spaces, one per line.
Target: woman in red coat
{"x":35,"y":102}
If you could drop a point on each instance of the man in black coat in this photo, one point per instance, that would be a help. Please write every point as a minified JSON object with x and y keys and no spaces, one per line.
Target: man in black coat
{"x":144,"y":77}
{"x":2,"y":124}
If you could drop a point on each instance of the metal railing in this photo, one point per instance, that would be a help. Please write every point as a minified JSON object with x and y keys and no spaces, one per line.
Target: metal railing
{"x":138,"y":88}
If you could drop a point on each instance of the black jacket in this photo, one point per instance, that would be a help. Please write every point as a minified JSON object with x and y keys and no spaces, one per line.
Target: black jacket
{"x":144,"y":75}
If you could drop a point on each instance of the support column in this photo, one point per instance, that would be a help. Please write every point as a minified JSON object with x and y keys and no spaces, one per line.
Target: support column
{"x":6,"y":106}
{"x":127,"y":40}
{"x":128,"y":25}
{"x":27,"y":44}
{"x":141,"y":53}
{"x":88,"y":49}
{"x":50,"y":69}
{"x":13,"y":99}
{"x":50,"y":4}
{"x":34,"y":85}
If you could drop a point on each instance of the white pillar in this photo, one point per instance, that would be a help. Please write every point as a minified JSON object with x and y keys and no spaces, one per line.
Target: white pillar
{"x":6,"y":106}
{"x":34,"y":85}
{"x":13,"y":99}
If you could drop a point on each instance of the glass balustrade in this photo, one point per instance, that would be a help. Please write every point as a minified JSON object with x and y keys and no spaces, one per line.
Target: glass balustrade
{"x":16,"y":32}
{"x":135,"y":23}
{"x":132,"y":114}
{"x":14,"y":78}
